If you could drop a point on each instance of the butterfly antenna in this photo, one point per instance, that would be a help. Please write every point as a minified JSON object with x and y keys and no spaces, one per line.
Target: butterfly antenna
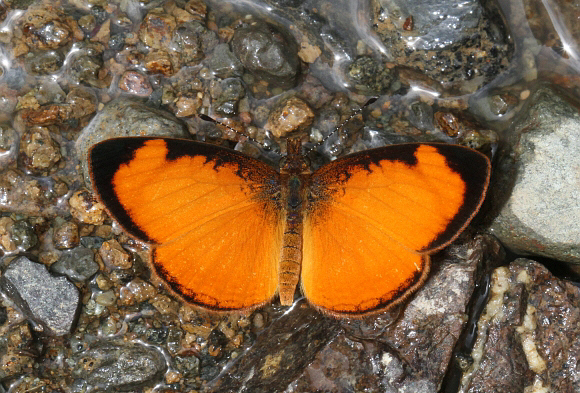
{"x":355,"y":113}
{"x":207,"y":118}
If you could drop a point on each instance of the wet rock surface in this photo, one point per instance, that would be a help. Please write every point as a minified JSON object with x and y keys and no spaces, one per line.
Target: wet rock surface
{"x":475,"y":73}
{"x":113,"y":366}
{"x":449,"y":42}
{"x":527,"y":333}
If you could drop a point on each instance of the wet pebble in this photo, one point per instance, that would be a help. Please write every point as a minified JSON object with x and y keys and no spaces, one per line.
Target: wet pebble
{"x":159,"y":62}
{"x":116,"y":366}
{"x":106,"y":298}
{"x":85,"y":65}
{"x":87,"y":23}
{"x":135,"y":83}
{"x":187,"y":106}
{"x":156,"y":29}
{"x":45,"y":27}
{"x":137,"y":290}
{"x":460,"y":48}
{"x":30,"y":195}
{"x":39,"y":151}
{"x":290,"y":115}
{"x":226,"y":96}
{"x":45,"y":115}
{"x":81,"y":102}
{"x":9,"y":144}
{"x":421,"y":116}
{"x":114,"y":255}
{"x":23,"y":235}
{"x":223,"y":62}
{"x":52,"y":302}
{"x":6,"y":238}
{"x":16,"y":348}
{"x":191,"y":41}
{"x":267,"y":53}
{"x":77,"y":264}
{"x":65,"y":235}
{"x":44,"y":62}
{"x":500,"y":104}
{"x":86,"y":209}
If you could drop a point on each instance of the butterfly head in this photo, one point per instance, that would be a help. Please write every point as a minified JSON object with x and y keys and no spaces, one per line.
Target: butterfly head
{"x":294,"y":162}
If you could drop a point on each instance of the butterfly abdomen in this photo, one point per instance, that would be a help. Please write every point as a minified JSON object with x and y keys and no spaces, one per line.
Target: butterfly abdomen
{"x":291,"y":258}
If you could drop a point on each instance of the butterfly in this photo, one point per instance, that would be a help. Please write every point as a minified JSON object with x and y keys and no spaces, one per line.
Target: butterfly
{"x":229,"y":232}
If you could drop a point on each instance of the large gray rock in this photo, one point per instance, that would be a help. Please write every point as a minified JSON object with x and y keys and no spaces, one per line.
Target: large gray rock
{"x":50,"y":302}
{"x":541,"y":213}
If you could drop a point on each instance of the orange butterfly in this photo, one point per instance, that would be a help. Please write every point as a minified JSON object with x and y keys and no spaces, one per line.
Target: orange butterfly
{"x":229,"y":232}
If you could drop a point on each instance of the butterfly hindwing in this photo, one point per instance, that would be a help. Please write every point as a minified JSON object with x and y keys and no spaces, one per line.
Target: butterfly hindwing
{"x":373,"y":218}
{"x":211,"y":214}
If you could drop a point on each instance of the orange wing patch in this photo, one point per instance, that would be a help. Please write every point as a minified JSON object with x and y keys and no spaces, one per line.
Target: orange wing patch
{"x":197,"y":203}
{"x":376,"y":215}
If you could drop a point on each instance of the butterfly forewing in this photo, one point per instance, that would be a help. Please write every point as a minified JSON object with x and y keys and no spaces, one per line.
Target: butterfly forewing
{"x":373,"y":218}
{"x":212,"y":214}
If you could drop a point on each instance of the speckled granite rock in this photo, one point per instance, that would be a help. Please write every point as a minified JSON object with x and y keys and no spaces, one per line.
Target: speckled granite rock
{"x":539,"y":180}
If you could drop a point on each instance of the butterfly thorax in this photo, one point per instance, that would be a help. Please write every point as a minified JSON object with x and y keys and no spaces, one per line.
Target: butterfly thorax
{"x":293,"y":177}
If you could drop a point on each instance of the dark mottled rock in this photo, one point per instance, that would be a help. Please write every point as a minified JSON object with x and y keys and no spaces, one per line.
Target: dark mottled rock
{"x":84,"y":66}
{"x":280,"y":353}
{"x":16,"y":346}
{"x":94,"y":242}
{"x":52,"y":302}
{"x":191,"y":41}
{"x":9,"y":143}
{"x":527,"y":335}
{"x":117,"y":41}
{"x":369,"y":76}
{"x":188,"y":366}
{"x":223,"y":62}
{"x":117,"y":366}
{"x":156,"y":335}
{"x":421,"y":116}
{"x":3,"y":315}
{"x":227,"y":94}
{"x":123,"y":117}
{"x":538,"y":180}
{"x":44,"y":62}
{"x":23,"y":235}
{"x":267,"y":53}
{"x":77,"y":264}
